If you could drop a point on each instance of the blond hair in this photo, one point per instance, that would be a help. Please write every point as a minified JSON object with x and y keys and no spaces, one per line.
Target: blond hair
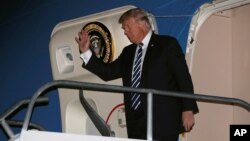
{"x":138,"y":14}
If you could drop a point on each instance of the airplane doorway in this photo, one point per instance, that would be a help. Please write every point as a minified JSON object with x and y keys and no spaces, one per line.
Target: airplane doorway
{"x":220,"y":64}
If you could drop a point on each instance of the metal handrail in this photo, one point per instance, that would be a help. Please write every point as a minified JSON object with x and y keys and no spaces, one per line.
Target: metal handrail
{"x":5,"y":123}
{"x":97,"y":120}
{"x":120,"y":89}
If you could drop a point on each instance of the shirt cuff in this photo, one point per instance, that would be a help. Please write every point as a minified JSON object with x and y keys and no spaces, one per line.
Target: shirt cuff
{"x":86,"y":56}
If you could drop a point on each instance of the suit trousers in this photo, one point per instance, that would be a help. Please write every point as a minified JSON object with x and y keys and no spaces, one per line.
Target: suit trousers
{"x":139,"y":128}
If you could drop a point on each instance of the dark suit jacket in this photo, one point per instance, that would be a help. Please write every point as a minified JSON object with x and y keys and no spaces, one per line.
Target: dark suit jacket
{"x":164,"y":68}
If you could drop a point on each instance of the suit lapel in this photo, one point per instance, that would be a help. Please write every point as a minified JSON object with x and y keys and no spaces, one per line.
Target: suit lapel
{"x":149,"y":56}
{"x":150,"y":49}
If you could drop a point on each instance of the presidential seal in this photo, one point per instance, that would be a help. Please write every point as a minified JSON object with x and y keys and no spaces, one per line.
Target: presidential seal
{"x":101,"y":41}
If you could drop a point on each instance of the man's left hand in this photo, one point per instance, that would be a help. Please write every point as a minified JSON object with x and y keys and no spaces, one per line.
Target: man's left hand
{"x":188,"y":120}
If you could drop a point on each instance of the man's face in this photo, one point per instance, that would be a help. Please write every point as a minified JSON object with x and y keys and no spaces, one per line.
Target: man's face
{"x":132,"y":29}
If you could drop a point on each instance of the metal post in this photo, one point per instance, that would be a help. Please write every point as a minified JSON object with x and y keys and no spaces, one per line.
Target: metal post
{"x":7,"y":129}
{"x":150,"y":117}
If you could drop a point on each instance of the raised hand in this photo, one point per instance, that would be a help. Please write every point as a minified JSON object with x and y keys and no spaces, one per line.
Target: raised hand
{"x":83,"y":41}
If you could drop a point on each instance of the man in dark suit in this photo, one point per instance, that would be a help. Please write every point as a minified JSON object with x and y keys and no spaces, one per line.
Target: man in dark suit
{"x":162,"y":67}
